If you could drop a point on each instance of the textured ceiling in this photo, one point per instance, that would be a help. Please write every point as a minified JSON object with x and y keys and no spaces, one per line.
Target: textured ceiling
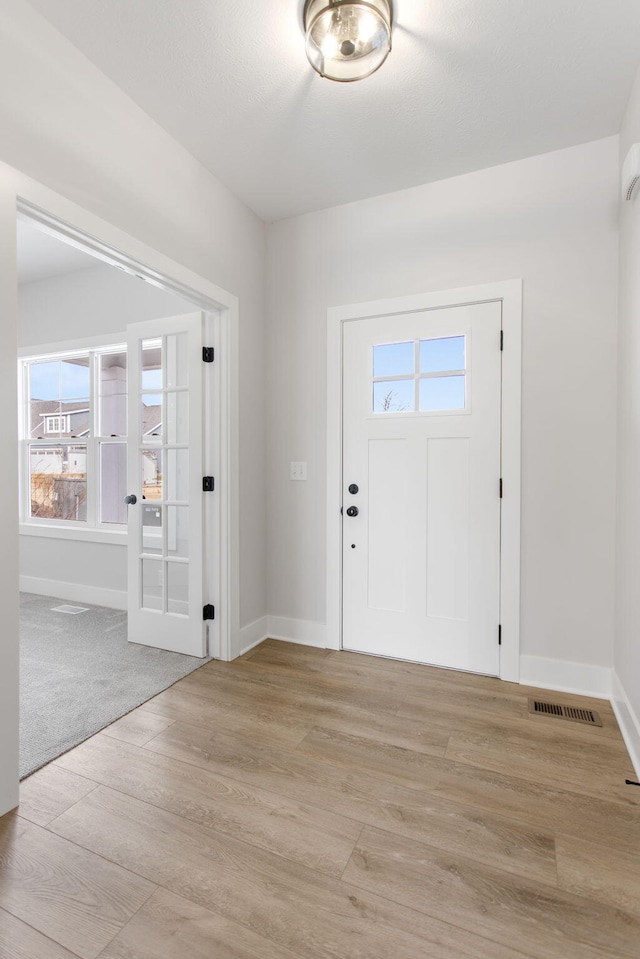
{"x":468,"y":84}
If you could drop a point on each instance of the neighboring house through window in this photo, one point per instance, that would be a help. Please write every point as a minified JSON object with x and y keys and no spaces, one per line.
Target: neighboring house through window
{"x":56,"y":424}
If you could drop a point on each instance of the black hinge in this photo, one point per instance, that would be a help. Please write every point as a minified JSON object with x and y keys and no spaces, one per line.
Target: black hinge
{"x":207,"y":354}
{"x":208,"y":484}
{"x":209,"y":612}
{"x":502,"y":339}
{"x":499,"y":634}
{"x":500,"y":487}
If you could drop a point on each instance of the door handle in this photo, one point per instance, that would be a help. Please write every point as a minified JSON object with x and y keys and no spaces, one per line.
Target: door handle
{"x":353,"y":511}
{"x":131,"y":500}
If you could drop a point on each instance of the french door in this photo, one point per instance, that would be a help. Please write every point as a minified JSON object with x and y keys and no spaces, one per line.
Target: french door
{"x":421,"y":486}
{"x":164,"y":467}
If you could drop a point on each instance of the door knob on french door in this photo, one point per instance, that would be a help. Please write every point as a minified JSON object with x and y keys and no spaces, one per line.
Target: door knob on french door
{"x":353,"y":511}
{"x":131,"y":500}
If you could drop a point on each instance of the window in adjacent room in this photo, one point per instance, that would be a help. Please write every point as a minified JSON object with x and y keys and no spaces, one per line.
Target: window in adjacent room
{"x":73,"y":438}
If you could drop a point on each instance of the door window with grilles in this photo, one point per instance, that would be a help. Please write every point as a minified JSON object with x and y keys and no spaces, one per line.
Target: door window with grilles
{"x":420,"y":376}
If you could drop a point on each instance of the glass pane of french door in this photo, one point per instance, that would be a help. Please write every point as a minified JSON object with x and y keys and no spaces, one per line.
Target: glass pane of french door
{"x":165,"y":476}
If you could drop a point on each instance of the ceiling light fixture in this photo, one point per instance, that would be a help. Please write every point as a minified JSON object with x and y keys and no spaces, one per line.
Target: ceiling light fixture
{"x":347,"y":41}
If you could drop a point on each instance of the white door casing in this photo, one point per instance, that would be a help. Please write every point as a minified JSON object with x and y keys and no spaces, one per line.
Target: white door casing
{"x":62,"y":217}
{"x":509,"y":295}
{"x":164,"y":469}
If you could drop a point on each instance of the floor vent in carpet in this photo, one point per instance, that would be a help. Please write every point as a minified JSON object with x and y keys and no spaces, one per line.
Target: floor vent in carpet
{"x":72,"y":610}
{"x":573,"y":713}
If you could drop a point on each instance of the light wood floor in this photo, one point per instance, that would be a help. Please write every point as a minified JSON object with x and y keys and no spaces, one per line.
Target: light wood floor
{"x":303,"y":804}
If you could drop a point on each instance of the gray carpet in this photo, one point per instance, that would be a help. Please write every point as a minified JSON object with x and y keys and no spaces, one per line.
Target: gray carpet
{"x":78,"y":673}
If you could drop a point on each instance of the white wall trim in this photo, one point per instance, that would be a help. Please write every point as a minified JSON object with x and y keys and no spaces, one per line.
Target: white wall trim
{"x":597,"y":682}
{"x":509,"y":293}
{"x":301,"y":631}
{"x":566,"y":677}
{"x":22,"y":196}
{"x":252,"y":635}
{"x":628,"y":722}
{"x":74,"y":592}
{"x":91,"y":535}
{"x":115,"y":340}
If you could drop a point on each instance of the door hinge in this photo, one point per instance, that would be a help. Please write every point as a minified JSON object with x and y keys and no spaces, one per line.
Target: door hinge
{"x":499,"y":635}
{"x":208,"y":484}
{"x":207,"y":354}
{"x":209,"y":612}
{"x":501,"y":339}
{"x":500,"y":487}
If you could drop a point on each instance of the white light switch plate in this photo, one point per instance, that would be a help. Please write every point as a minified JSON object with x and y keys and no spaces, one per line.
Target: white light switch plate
{"x":297,"y":471}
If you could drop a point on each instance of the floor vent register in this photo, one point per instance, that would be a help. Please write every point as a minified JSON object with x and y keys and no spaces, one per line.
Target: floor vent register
{"x":559,"y":711}
{"x":71,"y":610}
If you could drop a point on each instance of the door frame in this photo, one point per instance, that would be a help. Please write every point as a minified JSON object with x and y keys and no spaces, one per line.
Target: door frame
{"x":509,"y":294}
{"x":91,"y":234}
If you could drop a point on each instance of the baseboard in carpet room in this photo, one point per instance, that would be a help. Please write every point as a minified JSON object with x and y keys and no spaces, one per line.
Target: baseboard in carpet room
{"x":628,"y":722}
{"x":74,"y":592}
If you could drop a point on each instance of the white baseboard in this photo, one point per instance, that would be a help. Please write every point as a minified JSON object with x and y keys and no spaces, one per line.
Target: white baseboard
{"x":283,"y":628}
{"x":559,"y":675}
{"x":628,"y":721}
{"x":566,"y":677}
{"x":74,"y":592}
{"x":300,"y":631}
{"x":252,"y":635}
{"x":555,"y":674}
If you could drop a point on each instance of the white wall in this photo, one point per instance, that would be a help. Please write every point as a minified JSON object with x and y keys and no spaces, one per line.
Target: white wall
{"x":64,"y":127}
{"x":92,"y":302}
{"x":627,"y":627}
{"x":551,"y":220}
{"x":74,"y":570}
{"x":97,"y":301}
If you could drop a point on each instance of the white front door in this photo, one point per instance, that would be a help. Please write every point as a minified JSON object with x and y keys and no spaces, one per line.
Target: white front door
{"x":421,"y":466}
{"x":164,"y":470}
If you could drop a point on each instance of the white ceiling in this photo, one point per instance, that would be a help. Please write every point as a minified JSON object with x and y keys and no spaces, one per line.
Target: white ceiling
{"x":468,"y":84}
{"x":41,"y":256}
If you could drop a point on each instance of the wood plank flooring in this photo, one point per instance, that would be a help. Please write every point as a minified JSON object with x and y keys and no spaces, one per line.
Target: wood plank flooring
{"x":307,"y":804}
